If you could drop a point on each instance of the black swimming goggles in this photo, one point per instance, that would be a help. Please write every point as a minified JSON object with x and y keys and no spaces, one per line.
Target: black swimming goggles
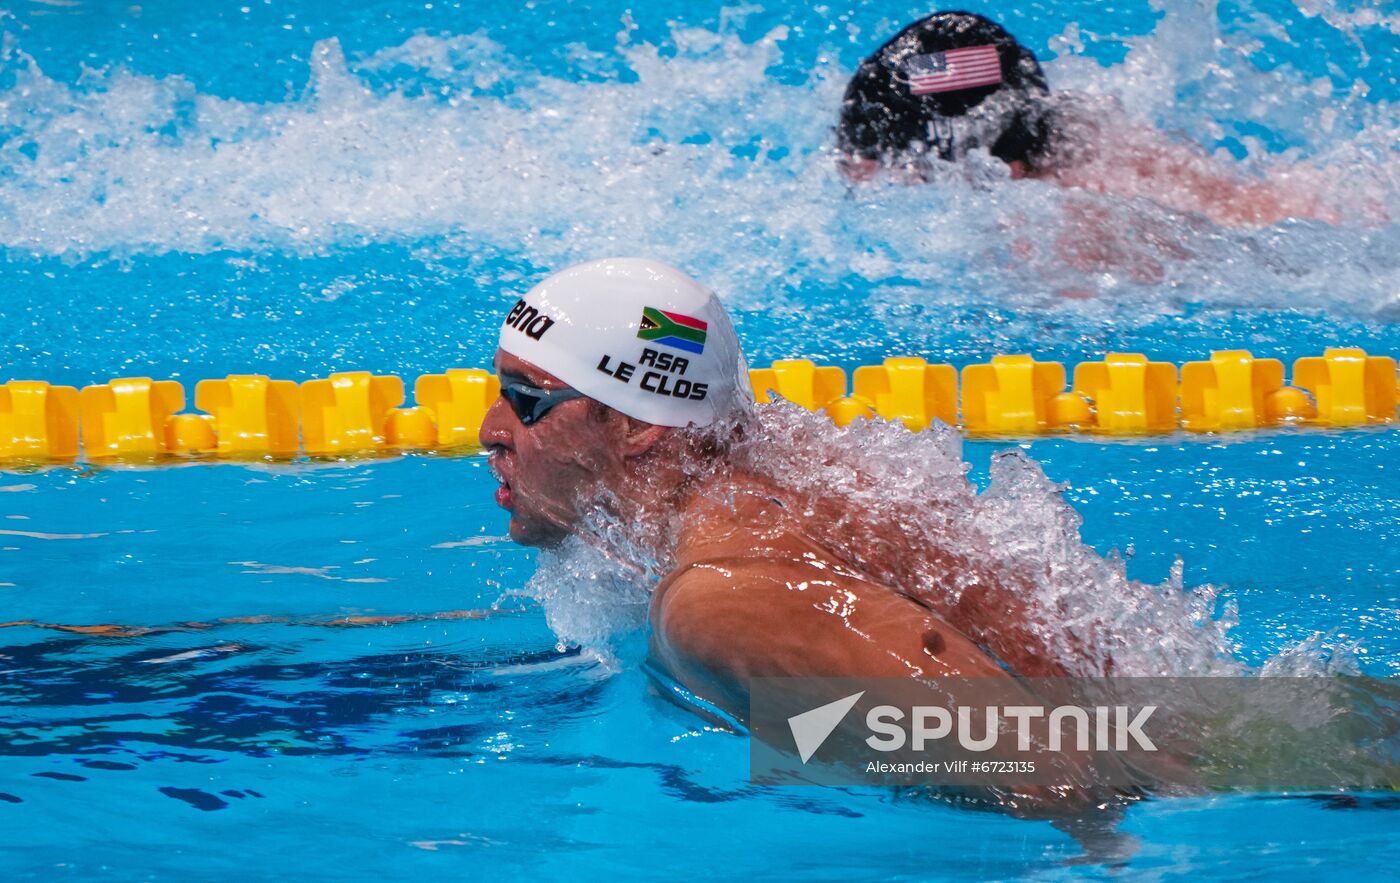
{"x":531,"y":403}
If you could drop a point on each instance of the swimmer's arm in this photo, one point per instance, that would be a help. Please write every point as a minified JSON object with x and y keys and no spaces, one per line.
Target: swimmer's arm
{"x":715,"y":633}
{"x":716,"y":630}
{"x":1145,"y":163}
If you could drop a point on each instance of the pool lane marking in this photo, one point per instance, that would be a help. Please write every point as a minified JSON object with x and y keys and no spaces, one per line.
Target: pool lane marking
{"x":36,"y":535}
{"x":110,"y":630}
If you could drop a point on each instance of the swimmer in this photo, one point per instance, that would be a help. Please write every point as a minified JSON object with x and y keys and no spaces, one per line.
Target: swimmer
{"x":955,"y":82}
{"x":623,"y":386}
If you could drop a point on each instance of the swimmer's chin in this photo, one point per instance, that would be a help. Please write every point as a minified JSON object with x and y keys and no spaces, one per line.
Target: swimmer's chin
{"x":524,"y":529}
{"x":530,"y":532}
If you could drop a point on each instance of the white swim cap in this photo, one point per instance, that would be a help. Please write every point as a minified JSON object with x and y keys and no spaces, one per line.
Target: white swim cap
{"x":637,"y":335}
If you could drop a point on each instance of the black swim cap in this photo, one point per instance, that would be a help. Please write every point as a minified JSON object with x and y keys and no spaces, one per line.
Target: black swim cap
{"x":936,"y":88}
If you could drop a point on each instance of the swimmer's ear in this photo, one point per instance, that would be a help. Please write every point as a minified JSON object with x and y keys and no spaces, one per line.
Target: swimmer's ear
{"x":639,"y":437}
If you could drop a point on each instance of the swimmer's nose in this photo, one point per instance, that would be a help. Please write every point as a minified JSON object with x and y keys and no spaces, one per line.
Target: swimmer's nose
{"x":496,"y":427}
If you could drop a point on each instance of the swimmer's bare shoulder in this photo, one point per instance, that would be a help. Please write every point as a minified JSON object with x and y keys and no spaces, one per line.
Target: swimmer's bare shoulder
{"x":720,"y":621}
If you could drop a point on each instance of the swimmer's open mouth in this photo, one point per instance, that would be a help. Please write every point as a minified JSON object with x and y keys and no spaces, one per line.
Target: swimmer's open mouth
{"x":504,"y":494}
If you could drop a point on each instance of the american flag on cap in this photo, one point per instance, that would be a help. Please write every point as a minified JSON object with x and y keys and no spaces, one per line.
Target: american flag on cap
{"x":953,"y":70}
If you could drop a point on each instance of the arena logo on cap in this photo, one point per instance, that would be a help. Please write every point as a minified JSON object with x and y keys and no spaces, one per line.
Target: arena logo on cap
{"x":675,"y":330}
{"x":528,"y":320}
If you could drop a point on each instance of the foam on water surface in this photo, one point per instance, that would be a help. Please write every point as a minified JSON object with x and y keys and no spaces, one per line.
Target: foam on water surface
{"x":707,"y":151}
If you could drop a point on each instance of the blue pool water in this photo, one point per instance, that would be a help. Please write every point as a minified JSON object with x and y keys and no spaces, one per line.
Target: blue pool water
{"x":188,"y":190}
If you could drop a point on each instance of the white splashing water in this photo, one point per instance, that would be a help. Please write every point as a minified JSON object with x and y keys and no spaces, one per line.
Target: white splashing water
{"x":590,"y":597}
{"x":897,"y":507}
{"x":1019,"y":541}
{"x":703,"y":159}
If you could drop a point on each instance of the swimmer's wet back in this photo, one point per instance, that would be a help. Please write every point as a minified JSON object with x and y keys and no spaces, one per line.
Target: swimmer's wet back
{"x":947,"y":84}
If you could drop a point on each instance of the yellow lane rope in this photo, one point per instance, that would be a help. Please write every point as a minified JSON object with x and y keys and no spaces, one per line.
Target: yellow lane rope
{"x":356,"y":412}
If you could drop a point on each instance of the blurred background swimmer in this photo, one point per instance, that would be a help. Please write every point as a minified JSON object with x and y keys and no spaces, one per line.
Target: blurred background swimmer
{"x":956,"y":82}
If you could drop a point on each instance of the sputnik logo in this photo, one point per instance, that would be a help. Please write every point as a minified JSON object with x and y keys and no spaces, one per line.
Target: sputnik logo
{"x":811,"y":728}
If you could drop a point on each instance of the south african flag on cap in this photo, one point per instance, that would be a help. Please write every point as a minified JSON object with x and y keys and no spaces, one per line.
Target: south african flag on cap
{"x":673,"y":330}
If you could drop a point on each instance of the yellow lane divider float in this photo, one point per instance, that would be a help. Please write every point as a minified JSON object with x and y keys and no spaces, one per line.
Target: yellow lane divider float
{"x":1012,"y":395}
{"x":38,"y":421}
{"x":251,"y":414}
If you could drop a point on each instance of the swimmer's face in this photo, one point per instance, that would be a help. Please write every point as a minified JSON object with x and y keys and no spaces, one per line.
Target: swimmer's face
{"x":553,"y":469}
{"x":857,"y":168}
